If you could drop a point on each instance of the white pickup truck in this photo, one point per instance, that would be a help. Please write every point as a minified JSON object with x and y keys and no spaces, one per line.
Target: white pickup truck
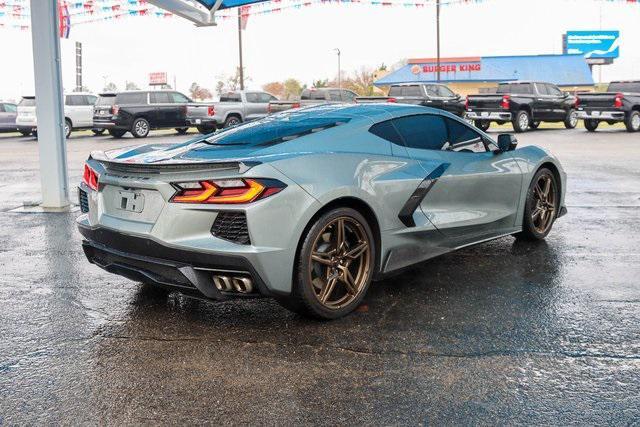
{"x":232,"y":109}
{"x":78,"y":113}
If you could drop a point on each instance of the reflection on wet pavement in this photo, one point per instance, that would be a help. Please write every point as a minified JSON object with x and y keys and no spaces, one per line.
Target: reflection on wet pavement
{"x":505,"y":331}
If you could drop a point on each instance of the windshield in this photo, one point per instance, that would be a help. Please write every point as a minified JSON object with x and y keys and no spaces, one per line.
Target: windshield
{"x":27,"y":102}
{"x":624,"y":87}
{"x":274,"y":130}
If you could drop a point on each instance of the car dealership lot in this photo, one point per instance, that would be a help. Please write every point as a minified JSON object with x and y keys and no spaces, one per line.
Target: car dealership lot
{"x":500,"y":332}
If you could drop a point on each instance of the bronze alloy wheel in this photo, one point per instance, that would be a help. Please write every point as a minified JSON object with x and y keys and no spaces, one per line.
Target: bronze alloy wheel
{"x":544,"y":210}
{"x":340,"y":262}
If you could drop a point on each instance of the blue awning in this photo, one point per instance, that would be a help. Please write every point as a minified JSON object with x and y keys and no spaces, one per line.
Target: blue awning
{"x":226,"y":4}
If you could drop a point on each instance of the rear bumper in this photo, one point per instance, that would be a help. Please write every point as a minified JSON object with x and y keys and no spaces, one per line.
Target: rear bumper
{"x":101,"y":122}
{"x":617,"y":116}
{"x":202,"y":121}
{"x":489,"y":115}
{"x":144,"y":260}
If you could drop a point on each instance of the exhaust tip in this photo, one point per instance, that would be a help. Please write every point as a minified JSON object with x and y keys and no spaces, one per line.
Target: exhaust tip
{"x":239,"y":284}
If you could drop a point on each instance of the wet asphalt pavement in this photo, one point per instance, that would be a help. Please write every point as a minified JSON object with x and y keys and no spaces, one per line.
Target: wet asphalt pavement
{"x":503,"y":332}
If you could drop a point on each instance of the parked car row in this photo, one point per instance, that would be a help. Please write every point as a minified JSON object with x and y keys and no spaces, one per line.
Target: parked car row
{"x":524,"y":104}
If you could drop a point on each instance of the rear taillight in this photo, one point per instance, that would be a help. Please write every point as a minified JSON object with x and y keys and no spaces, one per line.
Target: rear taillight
{"x":211,"y":111}
{"x":466,"y":103}
{"x":295,"y":105}
{"x":505,"y":102}
{"x":269,"y":109}
{"x":617,"y":102}
{"x":392,"y":100}
{"x":115,"y":109}
{"x":90,"y":177}
{"x":226,"y":191}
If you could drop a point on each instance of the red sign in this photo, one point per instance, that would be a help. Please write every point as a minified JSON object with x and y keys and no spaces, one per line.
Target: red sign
{"x":452,"y":68}
{"x":157,"y":79}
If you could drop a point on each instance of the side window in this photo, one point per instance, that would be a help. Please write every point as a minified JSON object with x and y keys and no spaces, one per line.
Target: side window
{"x":542,"y":89}
{"x":178,"y":98}
{"x":348,"y":96}
{"x":431,"y":90}
{"x":71,"y":100}
{"x":266,"y":97}
{"x":553,"y":90}
{"x":395,"y":91}
{"x":424,"y":131}
{"x":91,"y":99}
{"x":464,"y":138}
{"x":252,"y":97}
{"x":133,"y":98}
{"x":10,"y":108}
{"x":2,"y":109}
{"x":386,"y":130}
{"x":445,"y":91}
{"x":159,"y":98}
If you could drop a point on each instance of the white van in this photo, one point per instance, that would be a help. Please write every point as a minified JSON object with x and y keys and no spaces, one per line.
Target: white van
{"x":78,"y":113}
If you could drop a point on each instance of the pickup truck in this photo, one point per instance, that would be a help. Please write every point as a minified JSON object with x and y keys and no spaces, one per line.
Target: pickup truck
{"x":314,"y":96}
{"x":233,"y":109}
{"x":620,"y":103}
{"x":524,"y":104}
{"x":425,"y":94}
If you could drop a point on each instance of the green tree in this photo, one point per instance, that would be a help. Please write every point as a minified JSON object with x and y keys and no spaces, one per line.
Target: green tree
{"x":292,"y":88}
{"x":321,"y":83}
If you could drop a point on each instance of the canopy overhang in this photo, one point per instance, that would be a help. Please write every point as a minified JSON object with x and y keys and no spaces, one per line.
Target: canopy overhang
{"x":200,"y":12}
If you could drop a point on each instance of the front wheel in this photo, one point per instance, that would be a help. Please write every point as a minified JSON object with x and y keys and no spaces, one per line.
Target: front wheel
{"x":541,"y":207}
{"x":483,"y":125}
{"x":521,"y":121}
{"x":591,"y":125}
{"x":334,"y":266}
{"x":571,"y":121}
{"x":632,"y":122}
{"x":67,"y":129}
{"x":140,"y":128}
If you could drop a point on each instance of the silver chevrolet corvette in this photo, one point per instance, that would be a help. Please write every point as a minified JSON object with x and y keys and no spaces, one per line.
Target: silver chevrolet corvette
{"x":309,"y":206}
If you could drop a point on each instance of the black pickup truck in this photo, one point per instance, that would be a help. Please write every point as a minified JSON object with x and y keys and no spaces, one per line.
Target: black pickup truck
{"x":426,"y":94}
{"x":620,"y":103}
{"x":524,"y":104}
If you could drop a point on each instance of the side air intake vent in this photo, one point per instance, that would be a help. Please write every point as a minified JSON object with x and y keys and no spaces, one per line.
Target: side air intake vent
{"x":231,"y":226}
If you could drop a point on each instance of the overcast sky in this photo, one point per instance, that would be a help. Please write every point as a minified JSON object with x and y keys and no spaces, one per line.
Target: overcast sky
{"x":299,"y":42}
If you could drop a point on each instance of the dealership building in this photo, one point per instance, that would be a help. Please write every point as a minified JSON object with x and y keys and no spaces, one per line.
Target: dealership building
{"x":469,"y":75}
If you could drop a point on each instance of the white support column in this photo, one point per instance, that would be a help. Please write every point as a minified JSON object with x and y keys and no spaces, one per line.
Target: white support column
{"x":52,"y":144}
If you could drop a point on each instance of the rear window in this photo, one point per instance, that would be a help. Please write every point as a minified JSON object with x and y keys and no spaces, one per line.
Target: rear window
{"x":395,"y":91}
{"x":313,"y":94}
{"x":517,"y":88}
{"x":274,"y":130}
{"x":106,"y":100}
{"x":624,"y":87}
{"x":230,"y":97}
{"x":131,"y":98}
{"x":27,"y":102}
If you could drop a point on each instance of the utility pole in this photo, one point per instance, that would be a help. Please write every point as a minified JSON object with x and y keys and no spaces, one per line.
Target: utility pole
{"x":339,"y":69}
{"x":438,"y":40}
{"x":78,"y":67}
{"x":240,"y":49}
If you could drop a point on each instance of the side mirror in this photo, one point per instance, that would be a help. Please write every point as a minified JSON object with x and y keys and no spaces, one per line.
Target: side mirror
{"x":507,"y":142}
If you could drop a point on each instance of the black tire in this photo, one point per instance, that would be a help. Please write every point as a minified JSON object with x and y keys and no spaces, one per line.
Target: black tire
{"x":205,"y":130}
{"x":25,"y":132}
{"x":521,"y":121}
{"x":117,"y":133}
{"x":182,"y":131}
{"x":483,"y":125}
{"x":232,"y":120}
{"x":530,"y":231}
{"x":303,"y":298}
{"x":534,"y":125}
{"x":591,"y":125}
{"x":99,"y":131}
{"x":571,"y":120}
{"x":632,"y":121}
{"x":67,"y":128}
{"x":140,"y":128}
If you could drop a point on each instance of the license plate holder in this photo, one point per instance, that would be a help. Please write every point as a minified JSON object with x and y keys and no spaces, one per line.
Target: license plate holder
{"x":130,"y":201}
{"x":595,"y":113}
{"x":484,"y":114}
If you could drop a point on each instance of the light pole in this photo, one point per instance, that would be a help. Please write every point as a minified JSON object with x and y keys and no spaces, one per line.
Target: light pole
{"x":339,"y":69}
{"x":438,"y":40}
